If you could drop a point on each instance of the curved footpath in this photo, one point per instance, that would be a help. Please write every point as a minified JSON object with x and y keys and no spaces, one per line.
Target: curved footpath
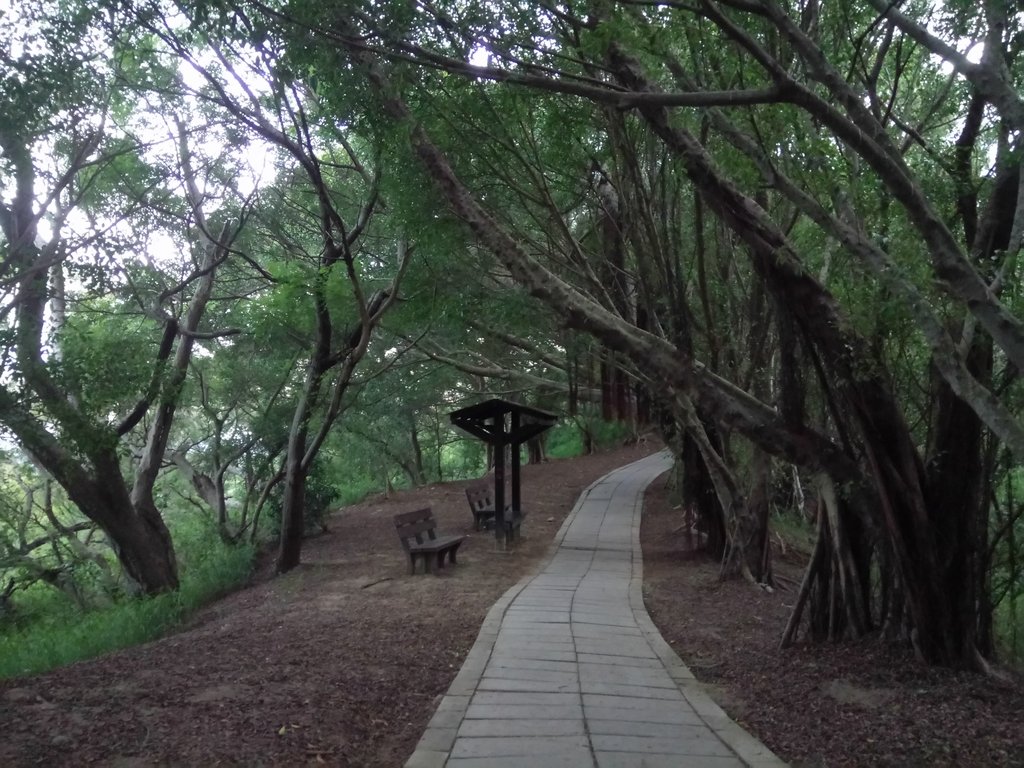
{"x":569,"y":670}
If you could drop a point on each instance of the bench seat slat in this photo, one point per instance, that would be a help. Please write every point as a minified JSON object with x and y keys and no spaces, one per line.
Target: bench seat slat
{"x":435,"y":544}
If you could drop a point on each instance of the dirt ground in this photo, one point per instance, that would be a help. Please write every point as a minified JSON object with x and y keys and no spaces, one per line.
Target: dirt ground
{"x":836,"y":705}
{"x":343,"y":661}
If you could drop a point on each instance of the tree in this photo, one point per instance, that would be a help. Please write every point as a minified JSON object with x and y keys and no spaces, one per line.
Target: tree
{"x":57,"y":135}
{"x":930,"y":547}
{"x":336,"y":177}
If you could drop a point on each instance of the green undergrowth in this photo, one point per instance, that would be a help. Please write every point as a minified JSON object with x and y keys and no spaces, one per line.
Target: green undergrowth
{"x":794,"y":530}
{"x":1008,"y":626}
{"x":61,"y":634}
{"x":565,"y":440}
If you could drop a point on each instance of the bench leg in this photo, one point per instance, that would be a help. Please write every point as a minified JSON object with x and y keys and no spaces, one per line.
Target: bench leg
{"x":412,"y":564}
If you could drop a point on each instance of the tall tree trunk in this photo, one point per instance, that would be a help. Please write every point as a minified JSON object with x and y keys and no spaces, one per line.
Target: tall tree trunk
{"x":293,"y":523}
{"x":535,"y":450}
{"x":959,"y":514}
{"x":419,"y":475}
{"x":698,"y":493}
{"x":892,"y":457}
{"x":607,"y":388}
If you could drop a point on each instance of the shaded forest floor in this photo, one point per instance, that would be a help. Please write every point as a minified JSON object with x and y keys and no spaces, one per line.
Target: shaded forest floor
{"x":836,"y":705}
{"x":340,"y":662}
{"x":343,"y":661}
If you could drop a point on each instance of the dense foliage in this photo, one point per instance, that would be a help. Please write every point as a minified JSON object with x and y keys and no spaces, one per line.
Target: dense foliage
{"x":253,"y":254}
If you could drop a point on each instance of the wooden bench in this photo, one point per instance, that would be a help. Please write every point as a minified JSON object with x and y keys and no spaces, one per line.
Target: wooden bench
{"x":481,"y":504}
{"x":417,"y":532}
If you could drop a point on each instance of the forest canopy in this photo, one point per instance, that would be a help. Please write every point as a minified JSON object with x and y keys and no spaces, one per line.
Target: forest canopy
{"x":253,"y":253}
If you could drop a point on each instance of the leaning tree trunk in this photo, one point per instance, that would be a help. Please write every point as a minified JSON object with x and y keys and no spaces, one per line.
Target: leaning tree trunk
{"x":891,"y":453}
{"x":894,"y":464}
{"x":699,"y":495}
{"x":137,"y":533}
{"x":84,"y":460}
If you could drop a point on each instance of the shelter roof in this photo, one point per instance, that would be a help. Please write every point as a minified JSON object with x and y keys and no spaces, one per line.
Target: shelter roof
{"x":486,"y":421}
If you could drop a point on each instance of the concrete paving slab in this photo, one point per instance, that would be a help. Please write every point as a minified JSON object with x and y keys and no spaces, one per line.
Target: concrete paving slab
{"x":524,"y":728}
{"x":448,"y":719}
{"x":660,"y":715}
{"x":529,"y":675}
{"x":429,"y":758}
{"x":535,"y":654}
{"x":633,"y":728}
{"x":603,"y":620}
{"x":534,"y":686}
{"x":622,"y":646}
{"x":558,"y":639}
{"x":569,"y":671}
{"x":695,"y":744}
{"x":510,"y":746}
{"x":644,"y":691}
{"x":602,"y":632}
{"x":517,"y":645}
{"x":522,"y":712}
{"x":527,"y":630}
{"x":438,"y":739}
{"x":540,"y":617}
{"x":624,"y":661}
{"x":512,"y":663}
{"x":554,"y":633}
{"x":520,"y":697}
{"x":645,"y":760}
{"x":581,"y":759}
{"x":629,"y":703}
{"x":609,"y":673}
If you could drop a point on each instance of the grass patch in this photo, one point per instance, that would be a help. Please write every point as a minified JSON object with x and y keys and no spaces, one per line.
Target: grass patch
{"x":565,"y":440}
{"x":794,"y":530}
{"x":64,"y":635}
{"x":1008,"y":625}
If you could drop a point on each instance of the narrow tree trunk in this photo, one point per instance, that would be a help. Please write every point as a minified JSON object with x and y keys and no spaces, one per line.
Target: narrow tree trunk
{"x":418,"y":475}
{"x":293,"y":502}
{"x":535,"y":450}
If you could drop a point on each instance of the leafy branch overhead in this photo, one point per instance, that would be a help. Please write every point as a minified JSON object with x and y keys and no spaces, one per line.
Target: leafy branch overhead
{"x":253,"y":253}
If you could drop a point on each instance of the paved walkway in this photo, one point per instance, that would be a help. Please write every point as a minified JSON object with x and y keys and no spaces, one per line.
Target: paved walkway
{"x":569,"y":671}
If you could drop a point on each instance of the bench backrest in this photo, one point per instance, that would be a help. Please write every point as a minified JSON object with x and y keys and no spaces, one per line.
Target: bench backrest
{"x":418,"y":524}
{"x":480,"y":497}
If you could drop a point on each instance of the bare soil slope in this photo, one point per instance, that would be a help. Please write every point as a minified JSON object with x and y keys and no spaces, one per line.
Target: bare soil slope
{"x":341,"y":662}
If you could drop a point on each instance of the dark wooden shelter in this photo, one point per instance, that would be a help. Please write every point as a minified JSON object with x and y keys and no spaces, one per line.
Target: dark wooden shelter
{"x":501,"y":423}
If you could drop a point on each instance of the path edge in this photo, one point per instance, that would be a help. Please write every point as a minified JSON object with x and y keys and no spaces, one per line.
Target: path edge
{"x":435,"y":746}
{"x":749,"y":749}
